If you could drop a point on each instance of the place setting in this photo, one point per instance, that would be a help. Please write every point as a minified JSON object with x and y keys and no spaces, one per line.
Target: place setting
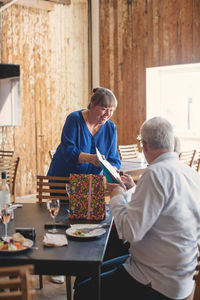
{"x":86,"y":231}
{"x":53,"y":238}
{"x":16,"y":243}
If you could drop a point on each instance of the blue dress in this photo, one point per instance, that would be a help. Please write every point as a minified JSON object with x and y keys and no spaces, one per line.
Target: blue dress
{"x":76,"y":138}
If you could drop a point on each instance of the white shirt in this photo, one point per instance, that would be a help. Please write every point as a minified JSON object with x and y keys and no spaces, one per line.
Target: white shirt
{"x":162,"y":224}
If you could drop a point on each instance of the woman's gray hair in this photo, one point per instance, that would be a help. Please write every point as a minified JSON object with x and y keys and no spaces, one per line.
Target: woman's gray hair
{"x":102,"y":97}
{"x":158,"y":133}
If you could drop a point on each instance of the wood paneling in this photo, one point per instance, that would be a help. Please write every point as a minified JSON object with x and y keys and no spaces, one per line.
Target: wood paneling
{"x":30,"y":3}
{"x":136,"y":34}
{"x":60,"y":1}
{"x":52,"y":51}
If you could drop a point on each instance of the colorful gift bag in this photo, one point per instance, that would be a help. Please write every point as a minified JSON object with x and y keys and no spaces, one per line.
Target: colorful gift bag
{"x":87,"y":198}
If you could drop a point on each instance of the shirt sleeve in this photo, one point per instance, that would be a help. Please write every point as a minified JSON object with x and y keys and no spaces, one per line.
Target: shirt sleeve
{"x":134,"y":219}
{"x":69,"y":136}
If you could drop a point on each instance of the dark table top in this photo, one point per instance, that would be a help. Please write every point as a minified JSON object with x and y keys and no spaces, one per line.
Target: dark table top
{"x":80,"y":256}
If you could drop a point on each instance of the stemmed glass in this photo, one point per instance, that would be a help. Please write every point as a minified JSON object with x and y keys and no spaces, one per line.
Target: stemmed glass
{"x":53,"y":206}
{"x":68,"y":189}
{"x":68,"y":195}
{"x":6,"y":213}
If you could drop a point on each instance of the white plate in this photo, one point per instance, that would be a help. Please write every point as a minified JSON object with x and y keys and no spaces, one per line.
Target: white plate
{"x":94,"y":233}
{"x":26,"y":245}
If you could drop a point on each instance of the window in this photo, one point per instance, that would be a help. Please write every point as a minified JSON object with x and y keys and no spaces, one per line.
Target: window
{"x":10,"y":108}
{"x":173,"y":92}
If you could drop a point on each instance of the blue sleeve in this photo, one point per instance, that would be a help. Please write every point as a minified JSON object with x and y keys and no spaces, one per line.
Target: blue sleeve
{"x":69,"y":139}
{"x":76,"y":138}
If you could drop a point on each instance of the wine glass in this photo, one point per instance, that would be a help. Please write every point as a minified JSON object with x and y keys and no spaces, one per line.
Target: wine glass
{"x":53,"y":206}
{"x":68,"y":189}
{"x":6,"y":213}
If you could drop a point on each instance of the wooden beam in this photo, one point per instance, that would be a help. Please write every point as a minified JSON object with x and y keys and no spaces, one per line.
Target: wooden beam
{"x":37,"y":4}
{"x":61,"y":1}
{"x":7,"y":4}
{"x":41,"y":4}
{"x":95,"y":43}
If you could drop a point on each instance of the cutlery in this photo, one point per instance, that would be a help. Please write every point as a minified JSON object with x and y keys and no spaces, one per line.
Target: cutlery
{"x":89,"y":229}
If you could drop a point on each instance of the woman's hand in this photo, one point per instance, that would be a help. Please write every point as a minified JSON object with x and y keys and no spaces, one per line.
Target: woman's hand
{"x":94,"y":160}
{"x":85,"y":158}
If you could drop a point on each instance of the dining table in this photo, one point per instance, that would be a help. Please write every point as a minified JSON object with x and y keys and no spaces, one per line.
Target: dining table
{"x":81,"y":256}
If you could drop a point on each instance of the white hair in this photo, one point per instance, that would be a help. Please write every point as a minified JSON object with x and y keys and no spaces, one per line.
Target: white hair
{"x":158,"y":133}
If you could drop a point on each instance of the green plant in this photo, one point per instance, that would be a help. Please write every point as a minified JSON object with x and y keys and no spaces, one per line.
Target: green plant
{"x":139,"y":138}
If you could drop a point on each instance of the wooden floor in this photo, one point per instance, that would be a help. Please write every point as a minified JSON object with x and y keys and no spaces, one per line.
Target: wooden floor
{"x":50,"y":290}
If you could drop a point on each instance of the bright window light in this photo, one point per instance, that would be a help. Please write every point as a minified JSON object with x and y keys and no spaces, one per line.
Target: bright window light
{"x":173,"y":92}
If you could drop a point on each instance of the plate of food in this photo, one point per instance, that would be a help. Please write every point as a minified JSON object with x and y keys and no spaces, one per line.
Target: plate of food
{"x":16,"y":243}
{"x":85,"y":231}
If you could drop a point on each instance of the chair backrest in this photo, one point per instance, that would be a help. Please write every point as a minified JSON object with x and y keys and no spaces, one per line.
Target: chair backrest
{"x":197,"y":281}
{"x":16,"y":283}
{"x":7,"y":153}
{"x":51,"y":153}
{"x":128,"y":152}
{"x":187,"y":157}
{"x":51,"y":187}
{"x":10,"y":165}
{"x":195,"y":295}
{"x":196,"y":161}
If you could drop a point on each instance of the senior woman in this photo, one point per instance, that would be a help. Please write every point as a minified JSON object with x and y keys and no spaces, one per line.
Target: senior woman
{"x":83,"y":131}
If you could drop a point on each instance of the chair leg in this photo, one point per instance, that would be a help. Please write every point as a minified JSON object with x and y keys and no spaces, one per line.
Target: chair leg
{"x":40,"y":282}
{"x":68,"y":288}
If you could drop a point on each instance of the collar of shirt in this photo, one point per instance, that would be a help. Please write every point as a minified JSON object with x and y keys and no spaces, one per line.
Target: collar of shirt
{"x":164,"y":156}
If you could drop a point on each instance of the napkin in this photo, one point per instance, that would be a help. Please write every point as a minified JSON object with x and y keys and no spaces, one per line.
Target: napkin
{"x":55,"y":240}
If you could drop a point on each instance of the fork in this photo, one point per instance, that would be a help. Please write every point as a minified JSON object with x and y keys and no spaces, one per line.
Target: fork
{"x":89,"y":229}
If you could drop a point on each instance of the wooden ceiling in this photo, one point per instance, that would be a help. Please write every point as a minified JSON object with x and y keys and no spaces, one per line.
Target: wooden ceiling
{"x":41,"y":4}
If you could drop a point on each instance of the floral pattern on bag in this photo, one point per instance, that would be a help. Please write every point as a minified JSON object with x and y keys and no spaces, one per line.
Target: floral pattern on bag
{"x":87,"y":198}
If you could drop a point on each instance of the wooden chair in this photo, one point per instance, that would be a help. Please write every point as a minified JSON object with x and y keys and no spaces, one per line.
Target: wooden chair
{"x":128,"y":152}
{"x":195,"y":295}
{"x":197,"y":281}
{"x":10,"y":166}
{"x":187,"y":157}
{"x":16,"y":283}
{"x":6,"y":153}
{"x":53,"y":187}
{"x":51,"y":153}
{"x":196,"y":161}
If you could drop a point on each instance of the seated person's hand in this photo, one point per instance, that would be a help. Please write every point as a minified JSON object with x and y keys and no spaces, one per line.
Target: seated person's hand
{"x":127,"y":181}
{"x":116,"y":189}
{"x":111,"y":186}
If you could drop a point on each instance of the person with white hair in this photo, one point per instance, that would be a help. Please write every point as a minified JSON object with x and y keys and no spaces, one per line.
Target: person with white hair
{"x":161,"y":222}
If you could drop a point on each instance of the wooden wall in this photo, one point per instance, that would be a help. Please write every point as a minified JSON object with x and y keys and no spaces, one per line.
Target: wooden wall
{"x":52,"y":51}
{"x":135,"y":35}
